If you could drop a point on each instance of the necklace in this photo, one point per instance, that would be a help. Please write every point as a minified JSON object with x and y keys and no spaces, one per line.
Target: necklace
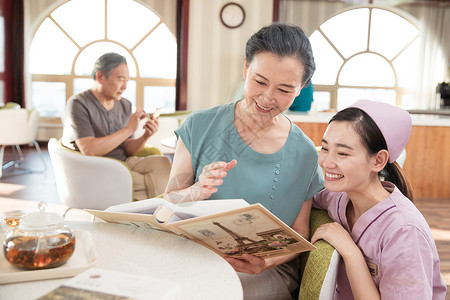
{"x":248,"y":134}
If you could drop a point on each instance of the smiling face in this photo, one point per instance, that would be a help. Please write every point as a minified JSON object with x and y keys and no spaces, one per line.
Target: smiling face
{"x":272,"y":83}
{"x":347,"y":165}
{"x":115,"y":84}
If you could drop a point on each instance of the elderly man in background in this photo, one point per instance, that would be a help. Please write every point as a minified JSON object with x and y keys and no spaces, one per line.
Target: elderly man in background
{"x":100,"y":122}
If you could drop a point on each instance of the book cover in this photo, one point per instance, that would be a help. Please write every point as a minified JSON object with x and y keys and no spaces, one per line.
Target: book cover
{"x":97,"y":283}
{"x":227,"y":228}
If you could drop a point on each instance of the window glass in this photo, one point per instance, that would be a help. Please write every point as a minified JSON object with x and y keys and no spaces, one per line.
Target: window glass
{"x":86,"y":60}
{"x":82,"y":84}
{"x":406,"y":65}
{"x":348,"y":31}
{"x":321,"y":101}
{"x":83,"y":20}
{"x":159,"y":96}
{"x":327,"y":60}
{"x":367,"y":70}
{"x":49,"y":98}
{"x":347,"y":96}
{"x":157,"y":55}
{"x":140,"y":21}
{"x":407,"y":102}
{"x":388,"y":60}
{"x":51,"y":51}
{"x":389,"y":33}
{"x":130,"y":92}
{"x":73,"y":36}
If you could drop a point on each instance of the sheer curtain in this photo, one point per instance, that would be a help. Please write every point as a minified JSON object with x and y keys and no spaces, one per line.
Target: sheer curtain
{"x":434,"y":56}
{"x":434,"y":25}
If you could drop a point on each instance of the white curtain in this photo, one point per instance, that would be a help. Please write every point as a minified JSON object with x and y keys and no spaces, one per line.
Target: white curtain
{"x":434,"y":56}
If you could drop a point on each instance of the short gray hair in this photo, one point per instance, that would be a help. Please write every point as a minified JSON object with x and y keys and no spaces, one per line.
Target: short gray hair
{"x":107,"y":63}
{"x":283,"y":40}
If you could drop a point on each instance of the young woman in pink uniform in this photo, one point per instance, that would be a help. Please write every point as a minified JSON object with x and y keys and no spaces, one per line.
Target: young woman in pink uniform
{"x":385,"y":243}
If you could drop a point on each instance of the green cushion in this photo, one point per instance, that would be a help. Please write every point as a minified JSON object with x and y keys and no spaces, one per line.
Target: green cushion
{"x":11,"y":105}
{"x":316,"y":264}
{"x":176,"y":113}
{"x":179,"y":114}
{"x":149,"y":151}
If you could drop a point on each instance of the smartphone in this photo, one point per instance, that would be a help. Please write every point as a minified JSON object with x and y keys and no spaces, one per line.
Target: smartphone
{"x":157,"y":113}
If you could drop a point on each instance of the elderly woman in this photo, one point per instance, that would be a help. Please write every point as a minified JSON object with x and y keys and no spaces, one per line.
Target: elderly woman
{"x":250,"y":150}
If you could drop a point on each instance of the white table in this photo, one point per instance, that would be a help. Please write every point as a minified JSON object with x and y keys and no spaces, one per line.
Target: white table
{"x":200,"y":273}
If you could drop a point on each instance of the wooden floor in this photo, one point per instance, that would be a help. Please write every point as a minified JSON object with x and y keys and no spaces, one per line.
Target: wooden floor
{"x":40,"y":186}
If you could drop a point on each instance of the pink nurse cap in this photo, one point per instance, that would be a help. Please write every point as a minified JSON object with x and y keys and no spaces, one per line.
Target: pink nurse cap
{"x":394,"y":123}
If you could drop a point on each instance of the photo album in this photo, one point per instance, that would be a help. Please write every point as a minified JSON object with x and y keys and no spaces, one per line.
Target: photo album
{"x":229,"y":227}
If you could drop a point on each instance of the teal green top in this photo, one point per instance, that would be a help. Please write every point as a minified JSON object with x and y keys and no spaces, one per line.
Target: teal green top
{"x":281,"y":181}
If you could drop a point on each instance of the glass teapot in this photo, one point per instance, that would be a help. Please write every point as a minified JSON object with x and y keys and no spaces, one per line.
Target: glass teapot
{"x":41,"y":241}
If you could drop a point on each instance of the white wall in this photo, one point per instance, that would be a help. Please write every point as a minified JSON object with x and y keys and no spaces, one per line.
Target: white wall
{"x":216,"y":53}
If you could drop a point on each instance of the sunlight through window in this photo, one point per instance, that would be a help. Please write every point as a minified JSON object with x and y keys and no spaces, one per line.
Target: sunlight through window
{"x":368,"y":53}
{"x":68,"y":47}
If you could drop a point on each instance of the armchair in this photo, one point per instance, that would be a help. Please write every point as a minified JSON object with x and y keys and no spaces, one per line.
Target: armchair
{"x":89,"y":181}
{"x":18,"y":126}
{"x":319,"y":267}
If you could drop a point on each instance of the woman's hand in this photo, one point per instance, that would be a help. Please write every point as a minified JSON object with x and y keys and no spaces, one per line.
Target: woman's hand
{"x":363,"y":287}
{"x":337,"y":236}
{"x":248,"y":264}
{"x":252,"y":265}
{"x":212,"y":176}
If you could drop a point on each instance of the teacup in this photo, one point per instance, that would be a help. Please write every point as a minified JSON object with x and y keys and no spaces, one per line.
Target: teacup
{"x":11,"y":219}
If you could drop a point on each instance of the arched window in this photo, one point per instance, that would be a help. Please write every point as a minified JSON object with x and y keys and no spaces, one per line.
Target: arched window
{"x":74,"y":35}
{"x":365,"y":53}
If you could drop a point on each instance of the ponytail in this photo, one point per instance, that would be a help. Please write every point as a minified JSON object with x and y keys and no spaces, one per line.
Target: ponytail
{"x":394,"y":173}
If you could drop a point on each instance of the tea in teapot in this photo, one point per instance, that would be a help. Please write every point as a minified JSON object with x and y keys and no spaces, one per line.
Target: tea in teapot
{"x":41,"y":241}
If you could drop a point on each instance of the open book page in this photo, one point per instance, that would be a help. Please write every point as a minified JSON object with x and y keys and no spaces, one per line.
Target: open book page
{"x":153,"y":213}
{"x":148,"y":221}
{"x":180,"y":211}
{"x":251,"y":230}
{"x":147,"y":206}
{"x":194,"y":209}
{"x":229,"y":227}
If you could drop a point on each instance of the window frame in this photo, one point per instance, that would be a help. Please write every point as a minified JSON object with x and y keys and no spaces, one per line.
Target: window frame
{"x":332,"y":89}
{"x":69,"y":79}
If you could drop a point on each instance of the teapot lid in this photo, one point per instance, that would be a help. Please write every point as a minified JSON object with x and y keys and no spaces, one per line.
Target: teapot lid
{"x":41,"y":220}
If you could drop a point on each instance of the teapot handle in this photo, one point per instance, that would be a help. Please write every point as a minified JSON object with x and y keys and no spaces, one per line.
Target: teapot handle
{"x":67,"y":210}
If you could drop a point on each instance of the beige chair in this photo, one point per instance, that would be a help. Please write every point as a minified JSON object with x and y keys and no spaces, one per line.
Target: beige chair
{"x":18,"y":127}
{"x":98,"y":182}
{"x":89,"y":181}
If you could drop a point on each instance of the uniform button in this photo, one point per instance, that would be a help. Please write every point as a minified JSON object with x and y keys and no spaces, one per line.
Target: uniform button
{"x":277,"y":165}
{"x":275,"y":179}
{"x":272,"y":196}
{"x":277,"y":172}
{"x":274,"y":187}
